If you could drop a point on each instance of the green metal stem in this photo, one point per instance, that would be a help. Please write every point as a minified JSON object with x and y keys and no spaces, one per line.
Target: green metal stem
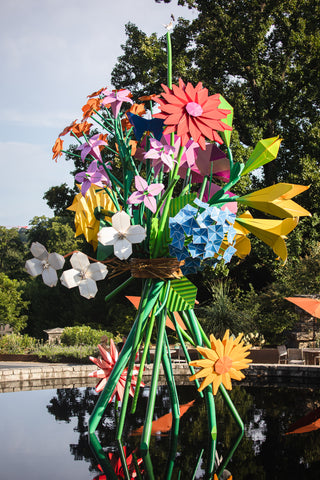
{"x":101,"y":458}
{"x":123,"y":460}
{"x":197,"y":465}
{"x":239,"y":421}
{"x":212,"y":423}
{"x":174,"y":400}
{"x":184,"y":348}
{"x":118,"y":289}
{"x":145,"y":439}
{"x":154,"y":289}
{"x":136,"y":343}
{"x":169,"y":60}
{"x":143,"y":361}
{"x":146,"y":346}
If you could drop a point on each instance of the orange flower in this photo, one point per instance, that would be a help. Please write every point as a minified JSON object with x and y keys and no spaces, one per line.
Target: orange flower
{"x":90,"y":106}
{"x":190,"y":113}
{"x":222,"y":362}
{"x":67,"y":129}
{"x":95,"y":94}
{"x":133,"y":144}
{"x":81,"y":128}
{"x":145,"y":98}
{"x":136,"y":109}
{"x":57,"y":149}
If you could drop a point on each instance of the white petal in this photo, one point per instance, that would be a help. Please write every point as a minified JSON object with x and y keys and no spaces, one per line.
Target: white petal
{"x":38,"y":251}
{"x":50,"y":277}
{"x":34,"y":267}
{"x":108,"y":236}
{"x":79,"y":261}
{"x":56,"y":261}
{"x":70,"y":278}
{"x":122,"y":249}
{"x":88,"y":288}
{"x":121,"y":221}
{"x":96,"y":271}
{"x":136,"y":234}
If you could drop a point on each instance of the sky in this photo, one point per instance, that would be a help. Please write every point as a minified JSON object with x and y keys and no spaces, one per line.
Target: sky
{"x":53,"y":54}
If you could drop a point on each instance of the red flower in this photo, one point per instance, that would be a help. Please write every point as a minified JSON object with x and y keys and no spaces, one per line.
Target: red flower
{"x":190,"y":113}
{"x":117,"y":465}
{"x":106,"y":365}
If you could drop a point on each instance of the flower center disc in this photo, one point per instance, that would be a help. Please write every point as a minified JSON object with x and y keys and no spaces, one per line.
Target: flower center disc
{"x":223,"y":365}
{"x":194,"y":109}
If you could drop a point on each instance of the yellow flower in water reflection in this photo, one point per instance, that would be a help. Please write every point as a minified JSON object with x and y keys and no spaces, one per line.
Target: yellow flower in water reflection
{"x":222,"y":362}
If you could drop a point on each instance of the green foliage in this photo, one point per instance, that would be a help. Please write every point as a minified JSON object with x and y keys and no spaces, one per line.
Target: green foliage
{"x":143,"y":66}
{"x":83,"y":335}
{"x":13,"y":307}
{"x":59,"y":198}
{"x":56,"y":234}
{"x":12,"y":252}
{"x":17,"y":344}
{"x":226,"y":309}
{"x":62,"y":353}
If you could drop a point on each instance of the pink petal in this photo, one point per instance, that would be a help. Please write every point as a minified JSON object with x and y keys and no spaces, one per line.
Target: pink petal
{"x":140,"y":183}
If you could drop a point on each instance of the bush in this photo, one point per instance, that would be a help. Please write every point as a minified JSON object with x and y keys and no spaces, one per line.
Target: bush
{"x":83,"y":335}
{"x":17,"y":344}
{"x":61,"y":353}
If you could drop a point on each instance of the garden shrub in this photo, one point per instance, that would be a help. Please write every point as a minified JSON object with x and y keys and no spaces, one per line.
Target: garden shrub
{"x":17,"y":344}
{"x":83,"y":335}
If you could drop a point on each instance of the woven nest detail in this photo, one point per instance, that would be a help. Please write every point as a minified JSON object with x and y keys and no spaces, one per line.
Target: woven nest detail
{"x":156,"y":268}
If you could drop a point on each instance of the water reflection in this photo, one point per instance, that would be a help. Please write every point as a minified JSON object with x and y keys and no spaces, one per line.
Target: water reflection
{"x":44,"y":434}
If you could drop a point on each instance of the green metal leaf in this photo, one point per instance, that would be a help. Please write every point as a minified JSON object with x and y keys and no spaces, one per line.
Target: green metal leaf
{"x":153,"y":233}
{"x":182,"y":295}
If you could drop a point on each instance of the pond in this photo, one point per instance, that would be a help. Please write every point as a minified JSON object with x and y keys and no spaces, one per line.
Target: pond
{"x":44,"y":433}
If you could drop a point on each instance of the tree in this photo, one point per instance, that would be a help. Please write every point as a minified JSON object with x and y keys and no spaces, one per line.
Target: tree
{"x":263,"y":57}
{"x":12,"y":252}
{"x":12,"y":306}
{"x":59,"y":198}
{"x":56,"y":234}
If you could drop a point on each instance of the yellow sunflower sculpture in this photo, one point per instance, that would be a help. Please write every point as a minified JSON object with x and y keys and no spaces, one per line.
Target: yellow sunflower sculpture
{"x":222,"y":362}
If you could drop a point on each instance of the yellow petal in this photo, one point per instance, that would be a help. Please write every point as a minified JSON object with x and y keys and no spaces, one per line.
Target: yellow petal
{"x":271,"y":232}
{"x":216,"y":383}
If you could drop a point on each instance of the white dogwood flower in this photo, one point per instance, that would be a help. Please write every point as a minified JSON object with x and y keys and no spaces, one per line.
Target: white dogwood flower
{"x":83,"y":275}
{"x":44,"y":264}
{"x":121,"y":235}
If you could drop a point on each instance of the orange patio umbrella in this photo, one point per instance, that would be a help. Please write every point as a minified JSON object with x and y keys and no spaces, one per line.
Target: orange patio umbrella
{"x":310,"y":305}
{"x":305,"y":424}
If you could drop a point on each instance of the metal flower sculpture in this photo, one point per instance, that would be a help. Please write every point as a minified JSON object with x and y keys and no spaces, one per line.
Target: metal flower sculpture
{"x":162,"y":220}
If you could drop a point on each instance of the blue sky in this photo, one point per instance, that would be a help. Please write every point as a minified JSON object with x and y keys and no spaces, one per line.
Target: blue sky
{"x":53,"y":54}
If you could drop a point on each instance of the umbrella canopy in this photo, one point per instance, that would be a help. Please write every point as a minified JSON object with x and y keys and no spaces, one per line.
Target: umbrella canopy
{"x":310,"y":305}
{"x":308,"y":423}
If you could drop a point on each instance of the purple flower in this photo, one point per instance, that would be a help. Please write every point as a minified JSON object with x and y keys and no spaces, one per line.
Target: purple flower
{"x":94,"y":175}
{"x":145,"y":193}
{"x":92,"y":147}
{"x":161,"y":155}
{"x":116,"y":99}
